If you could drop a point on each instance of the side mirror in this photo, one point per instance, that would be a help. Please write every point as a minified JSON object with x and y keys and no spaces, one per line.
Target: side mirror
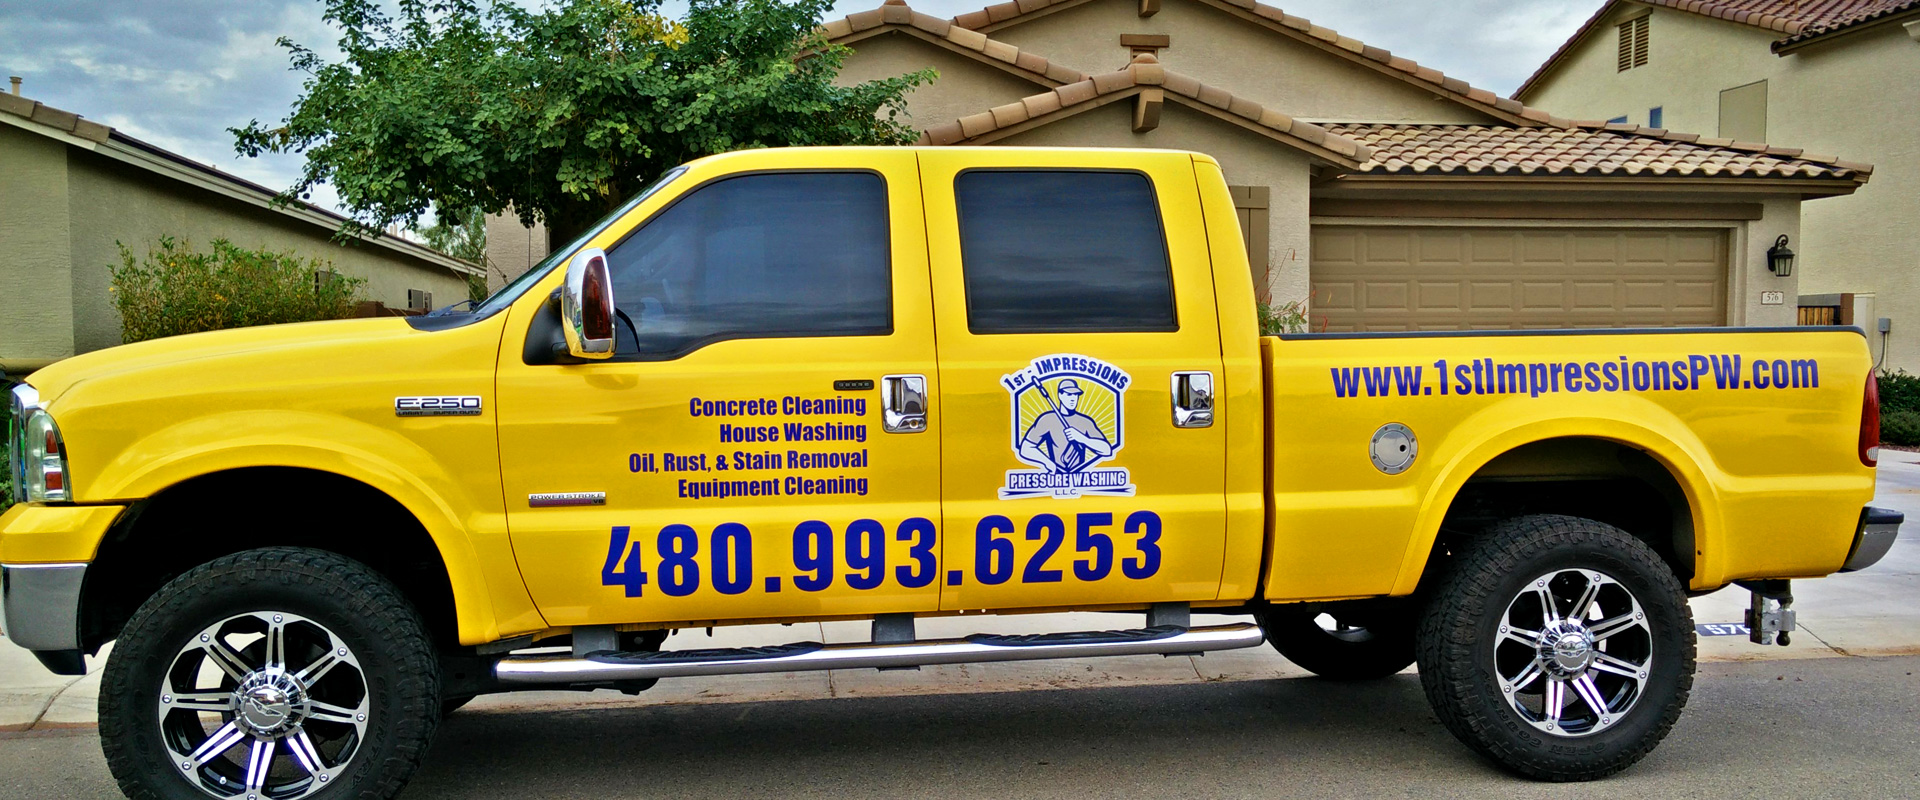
{"x":586,"y":306}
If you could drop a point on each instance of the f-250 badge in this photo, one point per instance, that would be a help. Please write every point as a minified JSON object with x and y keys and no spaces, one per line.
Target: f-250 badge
{"x":1067,"y":420}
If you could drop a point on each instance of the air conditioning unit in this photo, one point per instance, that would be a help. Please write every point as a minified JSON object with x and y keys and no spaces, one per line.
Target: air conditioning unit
{"x":419,"y":299}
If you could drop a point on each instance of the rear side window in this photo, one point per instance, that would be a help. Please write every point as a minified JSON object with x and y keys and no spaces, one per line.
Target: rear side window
{"x":772,"y":255}
{"x":1063,"y":252}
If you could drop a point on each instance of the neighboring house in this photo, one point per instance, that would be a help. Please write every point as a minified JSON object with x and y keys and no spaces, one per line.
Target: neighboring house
{"x":71,"y":188}
{"x":1393,"y":196}
{"x":1830,"y":76}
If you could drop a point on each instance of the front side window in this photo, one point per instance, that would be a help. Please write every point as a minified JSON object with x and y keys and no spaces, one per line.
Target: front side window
{"x":768,"y":255}
{"x":1070,"y":251}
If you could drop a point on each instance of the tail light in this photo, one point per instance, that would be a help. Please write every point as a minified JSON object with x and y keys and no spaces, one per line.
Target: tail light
{"x":1870,"y":423}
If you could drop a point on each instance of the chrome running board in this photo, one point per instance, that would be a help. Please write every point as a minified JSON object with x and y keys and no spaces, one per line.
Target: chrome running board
{"x":609,"y":666}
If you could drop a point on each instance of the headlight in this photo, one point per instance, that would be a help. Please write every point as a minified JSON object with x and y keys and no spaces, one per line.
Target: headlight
{"x":39,"y":455}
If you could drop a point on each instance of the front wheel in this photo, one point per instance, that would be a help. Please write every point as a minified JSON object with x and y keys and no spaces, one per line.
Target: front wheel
{"x":275,"y":673}
{"x":1561,"y":648}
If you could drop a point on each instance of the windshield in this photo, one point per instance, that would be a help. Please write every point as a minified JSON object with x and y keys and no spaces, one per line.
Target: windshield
{"x":512,"y":290}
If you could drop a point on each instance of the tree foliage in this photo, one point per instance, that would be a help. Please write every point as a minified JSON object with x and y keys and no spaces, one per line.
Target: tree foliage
{"x":460,"y":105}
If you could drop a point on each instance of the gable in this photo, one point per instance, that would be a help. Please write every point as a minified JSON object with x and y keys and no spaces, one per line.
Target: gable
{"x":1246,"y":50}
{"x":965,"y":84}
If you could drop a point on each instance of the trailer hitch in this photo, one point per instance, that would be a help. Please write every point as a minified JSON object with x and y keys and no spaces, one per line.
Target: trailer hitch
{"x":1770,"y":613}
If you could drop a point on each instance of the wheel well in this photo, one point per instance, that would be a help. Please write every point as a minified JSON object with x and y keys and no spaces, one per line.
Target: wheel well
{"x":1599,"y":479}
{"x":214,"y":515}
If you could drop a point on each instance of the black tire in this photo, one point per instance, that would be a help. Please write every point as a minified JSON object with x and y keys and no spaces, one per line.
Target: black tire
{"x":1372,"y":641}
{"x":1465,"y":650}
{"x":394,"y":663}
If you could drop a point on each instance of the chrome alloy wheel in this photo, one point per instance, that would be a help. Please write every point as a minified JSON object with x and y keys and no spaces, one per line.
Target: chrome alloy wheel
{"x":1573,"y":653}
{"x":263,"y":705}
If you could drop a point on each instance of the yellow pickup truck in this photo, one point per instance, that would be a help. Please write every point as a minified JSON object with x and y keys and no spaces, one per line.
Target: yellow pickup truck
{"x":888,"y":383}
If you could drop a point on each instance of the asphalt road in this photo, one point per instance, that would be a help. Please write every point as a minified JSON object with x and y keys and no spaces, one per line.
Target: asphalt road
{"x":1834,"y":727}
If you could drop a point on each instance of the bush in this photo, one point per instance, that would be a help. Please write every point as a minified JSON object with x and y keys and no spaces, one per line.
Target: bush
{"x":1900,"y":427}
{"x":177,"y":289}
{"x":1899,"y":390}
{"x":1288,"y":317}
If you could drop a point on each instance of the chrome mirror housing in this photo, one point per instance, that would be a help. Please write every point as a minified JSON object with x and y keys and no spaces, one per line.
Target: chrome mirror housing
{"x":586,"y":306}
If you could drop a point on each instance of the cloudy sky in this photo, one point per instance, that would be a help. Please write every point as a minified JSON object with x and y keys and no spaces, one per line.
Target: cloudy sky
{"x":178,"y":73}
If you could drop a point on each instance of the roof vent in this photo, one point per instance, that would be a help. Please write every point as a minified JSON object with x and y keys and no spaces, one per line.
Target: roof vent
{"x":16,"y":85}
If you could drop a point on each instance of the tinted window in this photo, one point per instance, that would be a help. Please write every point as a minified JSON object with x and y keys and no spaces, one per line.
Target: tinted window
{"x":771,"y":255}
{"x":1063,"y":252}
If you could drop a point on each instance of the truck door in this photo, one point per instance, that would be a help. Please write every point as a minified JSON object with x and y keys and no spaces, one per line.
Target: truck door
{"x":1074,"y":311}
{"x":736,"y":457}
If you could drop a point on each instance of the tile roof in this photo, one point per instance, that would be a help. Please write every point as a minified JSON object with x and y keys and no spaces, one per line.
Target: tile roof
{"x":1146,"y":73}
{"x":1879,"y":9}
{"x":1797,"y":20}
{"x":1301,"y":30}
{"x":1586,"y":150}
{"x":64,"y":121}
{"x":894,"y":15}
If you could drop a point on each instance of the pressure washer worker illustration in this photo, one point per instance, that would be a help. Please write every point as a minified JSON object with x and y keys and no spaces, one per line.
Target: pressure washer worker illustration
{"x":1069,"y":437}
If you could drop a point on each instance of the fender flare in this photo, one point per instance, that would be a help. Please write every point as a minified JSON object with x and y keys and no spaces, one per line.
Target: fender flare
{"x":335,"y":445}
{"x":1674,"y":446}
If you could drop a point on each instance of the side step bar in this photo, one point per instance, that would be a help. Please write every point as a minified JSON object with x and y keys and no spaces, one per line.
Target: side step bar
{"x":611,"y":666}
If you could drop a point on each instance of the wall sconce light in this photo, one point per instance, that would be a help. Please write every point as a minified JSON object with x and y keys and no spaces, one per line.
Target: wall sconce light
{"x":1780,"y":257}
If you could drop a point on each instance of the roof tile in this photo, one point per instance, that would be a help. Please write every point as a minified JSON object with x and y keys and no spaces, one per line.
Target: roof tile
{"x":865,"y":20}
{"x":1584,"y":150}
{"x":1214,"y":96}
{"x":1001,"y":51}
{"x":1030,"y":62}
{"x":896,"y":13}
{"x":1181,"y":84}
{"x":1076,"y":92}
{"x":972,"y":40}
{"x":975,"y":124}
{"x":1060,"y":73}
{"x":945,"y":134}
{"x":1112,"y":81}
{"x":1041,"y":104}
{"x":931,"y":24}
{"x":1009,"y":115}
{"x":1002,"y":11}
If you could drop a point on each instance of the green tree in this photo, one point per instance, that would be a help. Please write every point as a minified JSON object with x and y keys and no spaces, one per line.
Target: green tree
{"x":464,"y":237}
{"x":459,"y":105}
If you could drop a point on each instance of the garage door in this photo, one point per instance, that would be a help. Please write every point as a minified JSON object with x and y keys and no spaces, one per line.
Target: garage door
{"x":1410,"y":278}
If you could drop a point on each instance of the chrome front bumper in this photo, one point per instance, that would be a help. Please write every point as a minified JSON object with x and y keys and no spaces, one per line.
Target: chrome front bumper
{"x":1878,"y":528}
{"x":41,"y":603}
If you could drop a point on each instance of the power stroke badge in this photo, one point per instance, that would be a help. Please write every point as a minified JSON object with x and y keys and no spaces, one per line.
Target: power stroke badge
{"x":1067,"y":420}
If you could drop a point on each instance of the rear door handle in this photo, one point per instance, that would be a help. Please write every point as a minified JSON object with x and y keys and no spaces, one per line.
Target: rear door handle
{"x":903,"y":403}
{"x":1192,"y":399}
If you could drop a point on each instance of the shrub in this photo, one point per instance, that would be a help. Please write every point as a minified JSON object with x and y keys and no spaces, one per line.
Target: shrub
{"x":1900,"y":427}
{"x":1288,"y":317}
{"x":177,"y":289}
{"x":1899,"y":391}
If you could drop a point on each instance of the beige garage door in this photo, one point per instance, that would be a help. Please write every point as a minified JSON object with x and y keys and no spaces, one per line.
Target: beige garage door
{"x":1411,"y":278}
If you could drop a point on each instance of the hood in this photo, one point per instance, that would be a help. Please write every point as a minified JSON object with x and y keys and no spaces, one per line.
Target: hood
{"x":54,"y":380}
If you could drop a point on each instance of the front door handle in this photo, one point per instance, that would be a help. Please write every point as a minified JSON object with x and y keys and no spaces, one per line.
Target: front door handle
{"x":903,"y":403}
{"x":1192,"y":399}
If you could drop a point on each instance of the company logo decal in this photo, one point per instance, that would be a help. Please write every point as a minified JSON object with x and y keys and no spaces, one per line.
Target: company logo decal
{"x":1067,"y":421}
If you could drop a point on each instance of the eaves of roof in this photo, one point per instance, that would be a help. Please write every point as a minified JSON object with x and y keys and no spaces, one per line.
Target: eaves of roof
{"x":1146,"y":76}
{"x":1326,"y":40}
{"x":895,"y":16}
{"x":1590,"y":151}
{"x":71,"y":129}
{"x":1799,"y":23}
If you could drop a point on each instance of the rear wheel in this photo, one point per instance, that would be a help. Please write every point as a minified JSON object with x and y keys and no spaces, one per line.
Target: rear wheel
{"x":275,"y":673}
{"x":1562,"y":648}
{"x":1344,"y":641}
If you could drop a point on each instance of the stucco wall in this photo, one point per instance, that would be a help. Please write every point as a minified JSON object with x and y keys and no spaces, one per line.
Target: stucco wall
{"x":1247,"y":158}
{"x":513,"y":248}
{"x":36,"y":287}
{"x":1236,"y":55}
{"x":1853,"y":97}
{"x":964,"y":87}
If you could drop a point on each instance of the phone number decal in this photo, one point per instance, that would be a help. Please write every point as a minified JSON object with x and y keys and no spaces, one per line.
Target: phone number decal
{"x":682,"y":560}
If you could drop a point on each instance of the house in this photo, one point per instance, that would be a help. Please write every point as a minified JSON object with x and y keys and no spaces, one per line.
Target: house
{"x":71,"y":190}
{"x":1392,"y":196}
{"x":1831,"y":76}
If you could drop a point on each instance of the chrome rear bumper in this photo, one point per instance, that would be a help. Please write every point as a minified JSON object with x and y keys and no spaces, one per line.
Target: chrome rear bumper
{"x":1878,"y":528}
